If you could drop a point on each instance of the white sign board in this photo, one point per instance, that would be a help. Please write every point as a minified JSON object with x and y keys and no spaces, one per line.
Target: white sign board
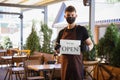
{"x":70,"y":47}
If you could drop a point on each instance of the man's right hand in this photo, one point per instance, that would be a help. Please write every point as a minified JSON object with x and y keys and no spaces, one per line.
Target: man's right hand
{"x":57,"y":46}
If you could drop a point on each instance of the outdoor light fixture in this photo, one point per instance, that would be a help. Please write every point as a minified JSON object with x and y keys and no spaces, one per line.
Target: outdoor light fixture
{"x":86,"y":2}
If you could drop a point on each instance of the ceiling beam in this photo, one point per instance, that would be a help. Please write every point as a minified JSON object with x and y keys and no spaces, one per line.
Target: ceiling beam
{"x":47,"y":2}
{"x":21,"y":6}
{"x":13,"y":13}
{"x":23,"y":1}
{"x":4,"y":1}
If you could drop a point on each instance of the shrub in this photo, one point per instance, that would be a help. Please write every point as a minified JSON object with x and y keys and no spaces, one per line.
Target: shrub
{"x":108,"y":46}
{"x":33,"y":42}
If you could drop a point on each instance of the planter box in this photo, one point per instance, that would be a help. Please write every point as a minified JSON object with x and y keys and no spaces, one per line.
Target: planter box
{"x":103,"y":72}
{"x":89,"y":68}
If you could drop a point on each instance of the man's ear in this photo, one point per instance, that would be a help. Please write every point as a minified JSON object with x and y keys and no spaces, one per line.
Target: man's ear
{"x":76,"y":15}
{"x":64,"y":16}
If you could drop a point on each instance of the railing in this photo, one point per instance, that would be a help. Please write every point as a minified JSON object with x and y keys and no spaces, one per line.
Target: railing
{"x":100,"y":71}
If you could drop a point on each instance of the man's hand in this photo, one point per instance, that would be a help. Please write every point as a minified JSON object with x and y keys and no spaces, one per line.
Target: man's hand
{"x":84,"y":48}
{"x":57,"y":46}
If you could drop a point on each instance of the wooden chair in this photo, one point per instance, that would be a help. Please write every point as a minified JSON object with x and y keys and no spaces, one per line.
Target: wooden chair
{"x":15,"y":69}
{"x":24,"y":51}
{"x":34,"y":57}
{"x":48,"y":73}
{"x":55,"y":74}
{"x":30,"y":74}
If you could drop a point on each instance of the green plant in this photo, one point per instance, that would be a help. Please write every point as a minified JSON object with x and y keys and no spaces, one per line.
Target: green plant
{"x":1,"y":47}
{"x":91,"y":55}
{"x":47,"y":33}
{"x":113,"y":1}
{"x":116,"y":56}
{"x":100,"y":48}
{"x":108,"y":46}
{"x":33,"y":42}
{"x":7,"y":43}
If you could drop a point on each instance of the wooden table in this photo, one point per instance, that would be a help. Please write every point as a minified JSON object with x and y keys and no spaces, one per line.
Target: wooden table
{"x":6,"y":57}
{"x":10,"y":60}
{"x":44,"y":67}
{"x":10,"y":57}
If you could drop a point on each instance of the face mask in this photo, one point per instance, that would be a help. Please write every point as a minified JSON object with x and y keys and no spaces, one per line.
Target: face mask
{"x":70,"y":20}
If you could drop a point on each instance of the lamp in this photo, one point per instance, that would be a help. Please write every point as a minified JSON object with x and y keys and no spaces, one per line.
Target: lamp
{"x":86,"y":2}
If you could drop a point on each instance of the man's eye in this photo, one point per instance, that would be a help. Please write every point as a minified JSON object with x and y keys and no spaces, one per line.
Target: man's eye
{"x":68,"y":15}
{"x":72,"y":15}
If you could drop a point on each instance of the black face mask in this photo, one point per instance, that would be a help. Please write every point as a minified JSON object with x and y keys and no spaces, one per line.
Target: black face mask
{"x":70,"y":20}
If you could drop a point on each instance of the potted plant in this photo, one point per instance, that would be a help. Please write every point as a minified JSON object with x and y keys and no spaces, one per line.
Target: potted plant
{"x":46,"y":50}
{"x":91,"y":55}
{"x":89,"y":58}
{"x":108,"y":44}
{"x":108,"y":50}
{"x":32,"y":42}
{"x":46,"y":34}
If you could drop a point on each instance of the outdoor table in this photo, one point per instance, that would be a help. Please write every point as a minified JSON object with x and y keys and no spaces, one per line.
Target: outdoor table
{"x":8,"y":59}
{"x":44,"y":67}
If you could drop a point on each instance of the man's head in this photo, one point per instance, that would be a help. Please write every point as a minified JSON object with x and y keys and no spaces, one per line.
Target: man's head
{"x":70,"y":14}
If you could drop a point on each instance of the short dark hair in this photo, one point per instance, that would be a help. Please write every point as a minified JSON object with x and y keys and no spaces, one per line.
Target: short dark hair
{"x":70,"y":9}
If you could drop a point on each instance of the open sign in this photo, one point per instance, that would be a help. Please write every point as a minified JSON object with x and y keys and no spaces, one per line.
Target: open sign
{"x":70,"y":47}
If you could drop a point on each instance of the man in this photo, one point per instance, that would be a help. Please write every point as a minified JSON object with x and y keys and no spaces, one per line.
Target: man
{"x":72,"y":65}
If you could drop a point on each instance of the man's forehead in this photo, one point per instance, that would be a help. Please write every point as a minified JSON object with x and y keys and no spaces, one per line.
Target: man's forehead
{"x":66,"y":13}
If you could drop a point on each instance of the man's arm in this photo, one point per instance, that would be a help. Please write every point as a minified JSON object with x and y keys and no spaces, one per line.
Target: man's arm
{"x":89,"y":43}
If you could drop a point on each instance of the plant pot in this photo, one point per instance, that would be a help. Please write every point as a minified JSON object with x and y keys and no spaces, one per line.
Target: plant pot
{"x":89,"y":68}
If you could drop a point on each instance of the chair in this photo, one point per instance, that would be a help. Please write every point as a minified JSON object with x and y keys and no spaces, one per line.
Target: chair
{"x":24,"y":51}
{"x":30,"y":74}
{"x":34,"y":57}
{"x":49,"y":73}
{"x":15,"y":68}
{"x":55,"y":74}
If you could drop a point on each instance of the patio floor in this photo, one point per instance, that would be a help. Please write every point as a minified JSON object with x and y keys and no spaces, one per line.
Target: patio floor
{"x":3,"y":71}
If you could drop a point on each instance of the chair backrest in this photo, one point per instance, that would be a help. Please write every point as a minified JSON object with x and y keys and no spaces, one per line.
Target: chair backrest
{"x":34,"y":57}
{"x":18,"y":59}
{"x":56,"y":74}
{"x":24,"y":51}
{"x":10,"y":52}
{"x":31,"y":62}
{"x":28,"y":72}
